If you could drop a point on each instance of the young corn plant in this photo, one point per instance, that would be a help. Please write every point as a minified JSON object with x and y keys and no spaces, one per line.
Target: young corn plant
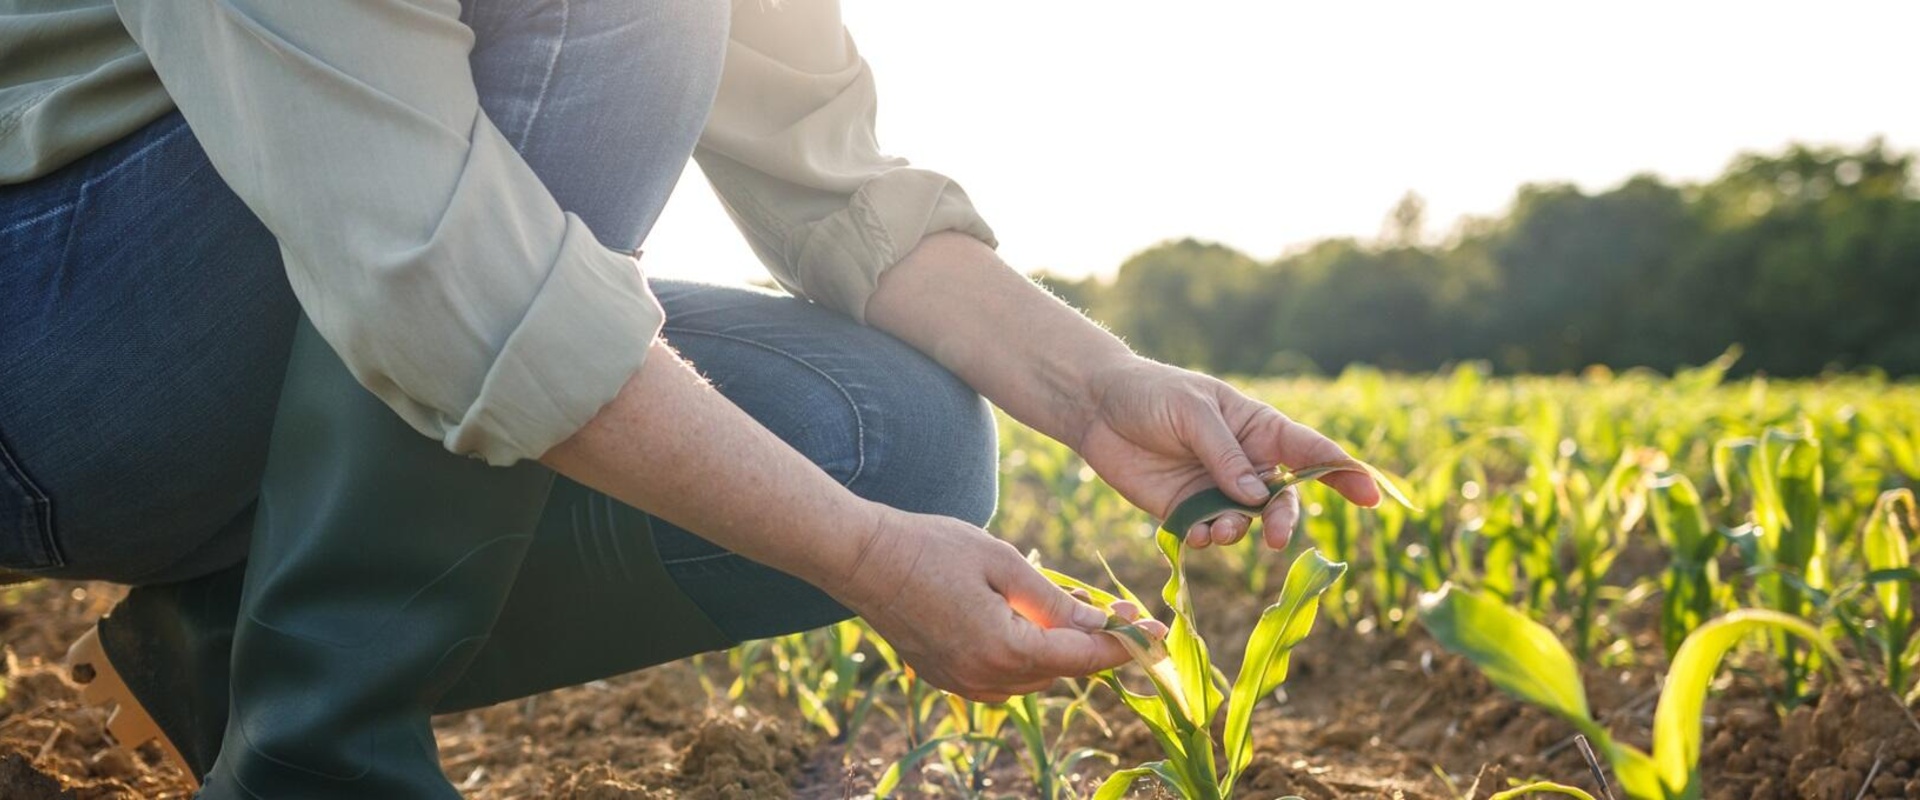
{"x":1783,"y":472}
{"x":1188,"y":692}
{"x":1523,"y":658}
{"x":1690,"y":588}
{"x":1886,"y":545}
{"x":1049,"y":763}
{"x":819,"y":670}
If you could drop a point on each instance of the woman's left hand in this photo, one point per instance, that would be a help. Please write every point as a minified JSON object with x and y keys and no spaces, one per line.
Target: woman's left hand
{"x":1159,"y":434}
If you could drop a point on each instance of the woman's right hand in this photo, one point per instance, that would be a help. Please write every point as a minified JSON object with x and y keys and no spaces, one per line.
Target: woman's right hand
{"x":971,"y":615}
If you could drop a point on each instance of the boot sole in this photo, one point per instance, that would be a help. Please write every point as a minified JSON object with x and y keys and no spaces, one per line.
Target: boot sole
{"x":101,"y":686}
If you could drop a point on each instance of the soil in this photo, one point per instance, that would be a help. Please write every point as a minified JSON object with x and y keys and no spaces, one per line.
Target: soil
{"x":1363,"y":715}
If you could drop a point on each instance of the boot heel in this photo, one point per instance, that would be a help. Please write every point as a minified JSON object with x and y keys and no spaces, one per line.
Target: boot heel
{"x":101,"y":686}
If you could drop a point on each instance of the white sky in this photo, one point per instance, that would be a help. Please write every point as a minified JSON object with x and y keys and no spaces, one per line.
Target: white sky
{"x":1086,"y":131}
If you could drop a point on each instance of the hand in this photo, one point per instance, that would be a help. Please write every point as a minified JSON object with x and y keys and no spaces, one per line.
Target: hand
{"x":971,"y":615}
{"x":1159,"y":433}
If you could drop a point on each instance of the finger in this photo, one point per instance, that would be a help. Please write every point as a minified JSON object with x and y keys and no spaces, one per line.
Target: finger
{"x":1126,"y":609}
{"x":1152,"y":627}
{"x":1081,"y":595}
{"x":1228,"y":528}
{"x":1199,"y":536}
{"x":1226,"y":462}
{"x":1281,"y":516}
{"x":1300,"y":446}
{"x":1067,"y":653}
{"x":1033,"y":596}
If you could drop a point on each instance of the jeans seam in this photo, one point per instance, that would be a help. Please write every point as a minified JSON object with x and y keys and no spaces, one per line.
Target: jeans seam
{"x":130,"y":159}
{"x":38,"y":218}
{"x":41,"y":505}
{"x":546,"y":80}
{"x":859,"y":422}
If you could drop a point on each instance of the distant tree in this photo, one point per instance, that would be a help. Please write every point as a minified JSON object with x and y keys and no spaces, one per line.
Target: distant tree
{"x":1809,"y":257}
{"x":1194,"y":303}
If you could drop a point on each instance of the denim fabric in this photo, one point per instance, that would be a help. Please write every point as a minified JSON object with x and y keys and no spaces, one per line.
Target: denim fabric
{"x":145,"y":319}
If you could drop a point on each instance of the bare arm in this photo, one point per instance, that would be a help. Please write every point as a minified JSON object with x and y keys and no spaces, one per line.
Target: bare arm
{"x":1031,"y":354}
{"x":669,"y":443}
{"x":1156,"y":433}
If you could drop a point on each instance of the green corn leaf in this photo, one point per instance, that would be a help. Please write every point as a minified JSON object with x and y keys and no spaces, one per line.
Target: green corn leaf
{"x":1638,"y":775}
{"x":814,"y":710}
{"x":1209,"y":504}
{"x":1152,"y":710}
{"x":1117,"y":784}
{"x":1073,"y":759}
{"x":1101,"y":597}
{"x":1519,"y":655}
{"x":1676,"y":721}
{"x":1125,"y":593}
{"x":1541,"y":787}
{"x":1269,"y":650}
{"x":1801,"y":481}
{"x":890,"y":780}
{"x":1885,"y":546}
{"x":1679,"y":520}
{"x":1196,"y":697}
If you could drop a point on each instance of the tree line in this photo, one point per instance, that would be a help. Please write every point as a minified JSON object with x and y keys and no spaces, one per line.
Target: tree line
{"x":1808,"y":259}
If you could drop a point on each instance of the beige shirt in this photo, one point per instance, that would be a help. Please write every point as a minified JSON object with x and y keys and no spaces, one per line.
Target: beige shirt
{"x":417,"y":240}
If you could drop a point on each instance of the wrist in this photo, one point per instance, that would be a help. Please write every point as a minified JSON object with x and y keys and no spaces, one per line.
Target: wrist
{"x":1097,"y":382}
{"x":887,"y":551}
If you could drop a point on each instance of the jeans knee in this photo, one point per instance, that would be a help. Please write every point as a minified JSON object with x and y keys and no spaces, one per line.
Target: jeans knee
{"x":689,"y":33}
{"x":933,"y":447}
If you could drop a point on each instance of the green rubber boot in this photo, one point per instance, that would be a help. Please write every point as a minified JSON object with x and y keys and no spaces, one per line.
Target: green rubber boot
{"x":590,"y":598}
{"x":377,"y":566}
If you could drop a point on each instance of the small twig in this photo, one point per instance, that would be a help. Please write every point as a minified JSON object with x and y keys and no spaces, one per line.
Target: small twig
{"x":478,"y":753}
{"x":51,"y":739}
{"x":1871,"y":772}
{"x":1555,"y":748}
{"x":1904,"y":711}
{"x":1593,"y":763}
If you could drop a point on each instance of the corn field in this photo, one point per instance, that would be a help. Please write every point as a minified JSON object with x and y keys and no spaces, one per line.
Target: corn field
{"x":1702,"y":529}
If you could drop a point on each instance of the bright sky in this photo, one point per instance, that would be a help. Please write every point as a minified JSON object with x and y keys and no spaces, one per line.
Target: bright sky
{"x":1086,"y":131}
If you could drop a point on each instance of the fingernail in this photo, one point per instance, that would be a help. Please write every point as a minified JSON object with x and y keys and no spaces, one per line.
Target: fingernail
{"x":1252,"y":486}
{"x":1089,"y":618}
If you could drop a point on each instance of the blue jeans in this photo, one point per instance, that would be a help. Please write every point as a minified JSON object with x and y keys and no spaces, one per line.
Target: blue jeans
{"x":145,"y":320}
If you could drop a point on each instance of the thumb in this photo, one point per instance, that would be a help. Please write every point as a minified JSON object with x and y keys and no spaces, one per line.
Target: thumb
{"x":1225,"y":460}
{"x":1033,"y":596}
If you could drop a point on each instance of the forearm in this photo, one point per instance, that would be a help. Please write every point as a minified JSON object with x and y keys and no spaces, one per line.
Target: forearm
{"x":1021,"y":347}
{"x":672,"y":445}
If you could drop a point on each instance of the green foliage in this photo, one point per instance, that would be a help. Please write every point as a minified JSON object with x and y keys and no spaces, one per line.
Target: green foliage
{"x":1808,"y":256}
{"x":1689,"y":588}
{"x":1580,"y":506}
{"x":1523,"y":658}
{"x":1187,"y":689}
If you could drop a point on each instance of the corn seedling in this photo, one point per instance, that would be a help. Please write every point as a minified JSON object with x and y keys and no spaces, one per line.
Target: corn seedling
{"x":1690,"y":585}
{"x":1783,"y":472}
{"x":820,"y":670}
{"x":1886,"y":545}
{"x":1523,"y":658}
{"x":1188,"y":692}
{"x":1049,"y":763}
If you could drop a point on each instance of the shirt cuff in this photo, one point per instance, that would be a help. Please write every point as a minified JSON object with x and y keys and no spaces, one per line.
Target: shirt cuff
{"x":840,"y":258}
{"x":583,"y":337}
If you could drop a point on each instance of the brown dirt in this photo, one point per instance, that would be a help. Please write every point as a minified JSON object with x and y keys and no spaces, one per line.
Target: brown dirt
{"x":1364,"y":715}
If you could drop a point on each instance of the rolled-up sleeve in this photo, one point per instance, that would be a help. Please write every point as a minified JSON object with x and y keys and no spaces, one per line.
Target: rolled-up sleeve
{"x":790,"y":150}
{"x":421,"y":245}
